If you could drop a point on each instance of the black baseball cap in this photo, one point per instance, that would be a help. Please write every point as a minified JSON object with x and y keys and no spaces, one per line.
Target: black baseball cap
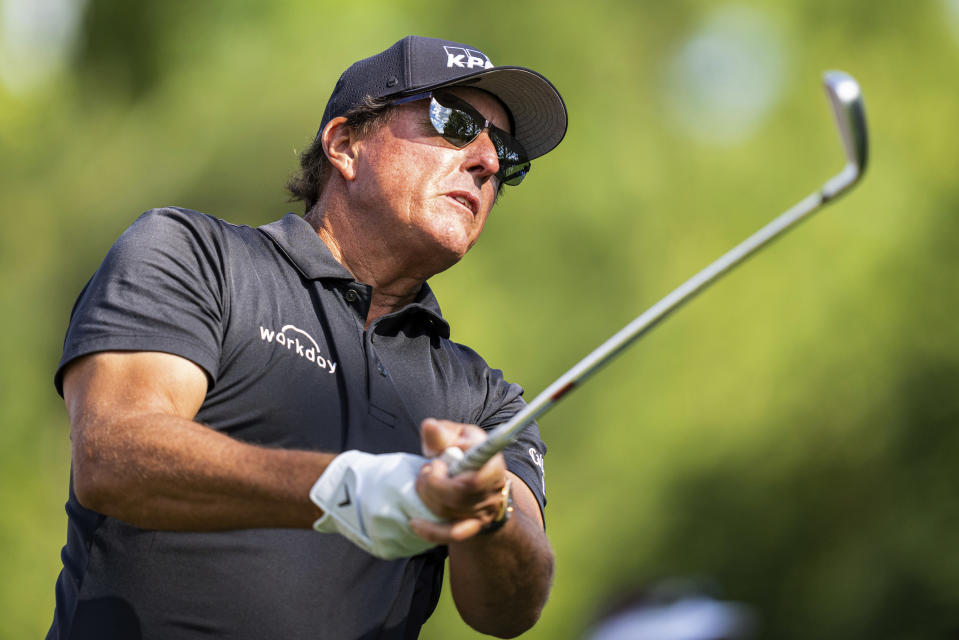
{"x":416,"y":64}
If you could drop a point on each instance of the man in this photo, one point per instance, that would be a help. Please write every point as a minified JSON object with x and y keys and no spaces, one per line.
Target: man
{"x":230,"y":389}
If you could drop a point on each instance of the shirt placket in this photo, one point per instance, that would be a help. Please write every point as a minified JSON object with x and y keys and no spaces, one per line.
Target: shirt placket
{"x":379,"y":422}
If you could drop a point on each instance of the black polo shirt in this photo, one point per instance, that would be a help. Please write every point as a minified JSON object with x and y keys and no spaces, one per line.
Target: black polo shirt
{"x":278,"y":325}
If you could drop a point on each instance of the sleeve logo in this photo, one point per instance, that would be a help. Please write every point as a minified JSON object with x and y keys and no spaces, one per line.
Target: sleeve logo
{"x":537,"y":459}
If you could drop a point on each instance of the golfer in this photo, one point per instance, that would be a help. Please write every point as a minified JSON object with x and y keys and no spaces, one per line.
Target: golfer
{"x":258,"y":414}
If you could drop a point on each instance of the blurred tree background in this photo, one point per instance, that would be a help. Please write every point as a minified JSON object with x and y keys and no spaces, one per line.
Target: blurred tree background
{"x":791,"y":434}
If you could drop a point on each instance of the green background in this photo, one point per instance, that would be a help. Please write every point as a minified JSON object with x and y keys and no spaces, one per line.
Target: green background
{"x":791,"y":434}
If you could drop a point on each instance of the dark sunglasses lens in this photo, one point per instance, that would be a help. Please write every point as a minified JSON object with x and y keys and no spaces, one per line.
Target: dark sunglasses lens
{"x":459,"y":125}
{"x":455,"y":125}
{"x":513,"y":162}
{"x":513,"y":174}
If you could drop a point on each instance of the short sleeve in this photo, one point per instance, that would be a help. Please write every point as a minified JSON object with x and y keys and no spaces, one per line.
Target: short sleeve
{"x":161,"y":287}
{"x":525,"y":456}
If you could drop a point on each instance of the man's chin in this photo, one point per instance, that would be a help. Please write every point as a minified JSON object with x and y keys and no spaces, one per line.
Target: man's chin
{"x":445,"y":254}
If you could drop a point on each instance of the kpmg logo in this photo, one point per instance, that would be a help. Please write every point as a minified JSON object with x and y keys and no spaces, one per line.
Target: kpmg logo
{"x":297,"y":342}
{"x":463,"y":58}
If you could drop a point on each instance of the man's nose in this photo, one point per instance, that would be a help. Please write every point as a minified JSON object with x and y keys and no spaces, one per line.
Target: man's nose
{"x":482,"y":159}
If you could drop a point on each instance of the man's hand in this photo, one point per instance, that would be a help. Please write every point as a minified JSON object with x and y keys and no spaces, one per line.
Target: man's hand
{"x":370,"y":500}
{"x":399,"y":505}
{"x":464,"y":503}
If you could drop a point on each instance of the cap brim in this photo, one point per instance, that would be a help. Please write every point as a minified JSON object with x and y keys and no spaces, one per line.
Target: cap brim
{"x":539,"y":113}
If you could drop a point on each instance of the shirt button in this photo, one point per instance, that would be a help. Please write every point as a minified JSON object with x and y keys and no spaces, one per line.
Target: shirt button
{"x":381,"y":368}
{"x":352,"y":295}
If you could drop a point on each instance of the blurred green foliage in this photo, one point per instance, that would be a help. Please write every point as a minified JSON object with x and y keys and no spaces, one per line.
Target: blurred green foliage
{"x":791,"y":434}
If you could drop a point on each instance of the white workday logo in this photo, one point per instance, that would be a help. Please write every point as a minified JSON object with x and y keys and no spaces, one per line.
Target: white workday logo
{"x":464,"y":58}
{"x":298,"y":342}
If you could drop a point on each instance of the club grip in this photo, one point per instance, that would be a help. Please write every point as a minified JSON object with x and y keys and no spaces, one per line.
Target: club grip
{"x":475,"y":457}
{"x":452,"y":456}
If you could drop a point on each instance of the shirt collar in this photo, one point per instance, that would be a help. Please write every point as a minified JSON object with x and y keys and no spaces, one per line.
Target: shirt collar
{"x":426,"y":301}
{"x":298,"y":240}
{"x":312,"y":258}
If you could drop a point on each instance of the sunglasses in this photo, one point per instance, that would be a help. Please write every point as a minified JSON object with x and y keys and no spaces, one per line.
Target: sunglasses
{"x":459,"y":124}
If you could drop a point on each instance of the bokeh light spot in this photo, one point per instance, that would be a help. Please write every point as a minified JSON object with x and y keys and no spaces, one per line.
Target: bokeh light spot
{"x":952,"y":14}
{"x":727,"y":75}
{"x":37,"y":37}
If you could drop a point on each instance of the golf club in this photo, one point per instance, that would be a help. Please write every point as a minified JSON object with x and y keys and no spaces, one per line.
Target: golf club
{"x":846,"y":99}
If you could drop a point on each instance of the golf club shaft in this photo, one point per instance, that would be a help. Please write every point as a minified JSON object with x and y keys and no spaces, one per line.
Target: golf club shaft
{"x":504,"y":434}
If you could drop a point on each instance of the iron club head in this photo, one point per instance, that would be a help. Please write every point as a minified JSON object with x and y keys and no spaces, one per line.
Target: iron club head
{"x":846,"y":100}
{"x":847,"y":105}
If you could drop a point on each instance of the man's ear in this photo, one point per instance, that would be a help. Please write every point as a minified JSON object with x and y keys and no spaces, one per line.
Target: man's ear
{"x":338,"y":146}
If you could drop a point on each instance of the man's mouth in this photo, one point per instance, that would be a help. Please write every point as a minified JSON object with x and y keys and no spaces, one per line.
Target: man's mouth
{"x":466,"y":200}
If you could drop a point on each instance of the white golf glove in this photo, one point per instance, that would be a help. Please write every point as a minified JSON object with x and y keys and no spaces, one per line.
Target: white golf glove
{"x":370,"y":499}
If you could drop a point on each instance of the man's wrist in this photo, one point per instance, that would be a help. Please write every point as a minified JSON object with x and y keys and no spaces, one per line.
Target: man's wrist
{"x":505,"y":510}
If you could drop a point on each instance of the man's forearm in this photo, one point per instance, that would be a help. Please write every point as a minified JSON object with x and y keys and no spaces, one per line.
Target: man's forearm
{"x":163,"y":472}
{"x":501,"y":581}
{"x":138,"y":456}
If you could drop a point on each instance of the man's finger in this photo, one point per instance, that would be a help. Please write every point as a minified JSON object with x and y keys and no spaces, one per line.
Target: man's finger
{"x":437,"y":435}
{"x":446,"y":533}
{"x":469,"y":495}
